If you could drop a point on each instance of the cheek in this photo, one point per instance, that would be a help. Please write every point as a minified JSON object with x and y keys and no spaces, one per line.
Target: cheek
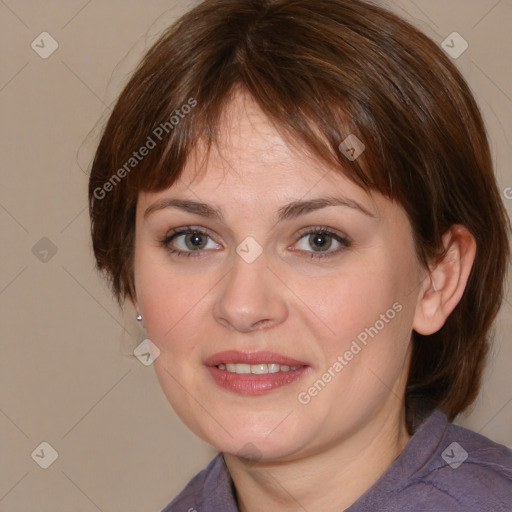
{"x":172,"y":307}
{"x":349,"y":301}
{"x":368,"y":310}
{"x":170,"y":302}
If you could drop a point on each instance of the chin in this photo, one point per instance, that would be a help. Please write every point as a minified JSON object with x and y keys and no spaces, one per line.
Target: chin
{"x":266,"y":441}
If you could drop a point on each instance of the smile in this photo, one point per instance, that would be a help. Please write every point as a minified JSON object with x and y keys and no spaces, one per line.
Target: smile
{"x":254,"y":373}
{"x":256,"y":369}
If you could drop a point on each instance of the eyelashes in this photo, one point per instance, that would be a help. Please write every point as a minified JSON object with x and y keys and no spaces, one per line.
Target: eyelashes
{"x":196,"y":242}
{"x":194,"y":235}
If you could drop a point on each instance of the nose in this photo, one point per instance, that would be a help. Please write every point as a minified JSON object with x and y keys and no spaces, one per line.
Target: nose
{"x":250,"y":297}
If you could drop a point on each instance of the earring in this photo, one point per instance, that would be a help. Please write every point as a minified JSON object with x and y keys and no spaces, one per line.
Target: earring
{"x":139,"y":317}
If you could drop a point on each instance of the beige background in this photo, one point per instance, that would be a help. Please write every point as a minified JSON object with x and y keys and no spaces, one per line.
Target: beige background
{"x":66,"y":374}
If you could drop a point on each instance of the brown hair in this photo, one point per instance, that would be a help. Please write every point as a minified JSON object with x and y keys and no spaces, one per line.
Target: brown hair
{"x":321,"y":70}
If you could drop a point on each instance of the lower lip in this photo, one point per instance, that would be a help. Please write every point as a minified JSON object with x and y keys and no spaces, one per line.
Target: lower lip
{"x":253,"y":384}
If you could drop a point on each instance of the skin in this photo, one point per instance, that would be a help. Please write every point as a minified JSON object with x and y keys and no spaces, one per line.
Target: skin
{"x":324,"y":454}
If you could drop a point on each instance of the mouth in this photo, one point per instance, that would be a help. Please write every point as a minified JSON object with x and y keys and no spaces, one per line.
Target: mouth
{"x":256,"y":369}
{"x":254,"y":373}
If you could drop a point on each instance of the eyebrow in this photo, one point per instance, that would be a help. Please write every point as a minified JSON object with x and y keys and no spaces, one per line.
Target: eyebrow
{"x":290,"y":211}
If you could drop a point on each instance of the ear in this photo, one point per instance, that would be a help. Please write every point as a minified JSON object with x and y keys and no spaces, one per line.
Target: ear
{"x":444,"y":286}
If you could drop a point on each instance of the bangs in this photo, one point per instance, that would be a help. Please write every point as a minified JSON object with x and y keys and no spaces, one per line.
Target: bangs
{"x":311,"y":102}
{"x":324,"y":133}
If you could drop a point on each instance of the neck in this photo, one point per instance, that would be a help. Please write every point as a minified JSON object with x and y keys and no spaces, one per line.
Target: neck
{"x":331,"y":479}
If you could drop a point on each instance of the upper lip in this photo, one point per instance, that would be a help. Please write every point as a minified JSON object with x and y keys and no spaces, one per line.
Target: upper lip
{"x":233,"y":356}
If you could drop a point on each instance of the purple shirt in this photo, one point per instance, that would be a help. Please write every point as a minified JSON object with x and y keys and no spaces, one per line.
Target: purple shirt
{"x":443,"y":468}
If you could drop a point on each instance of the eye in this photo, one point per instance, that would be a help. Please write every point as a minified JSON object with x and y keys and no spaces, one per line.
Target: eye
{"x":186,"y":241}
{"x":321,"y":242}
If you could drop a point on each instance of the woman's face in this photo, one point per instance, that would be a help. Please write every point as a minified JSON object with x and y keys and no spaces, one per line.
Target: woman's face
{"x":292,"y":273}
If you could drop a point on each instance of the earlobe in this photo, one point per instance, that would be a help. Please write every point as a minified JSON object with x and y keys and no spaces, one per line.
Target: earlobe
{"x":443,"y":287}
{"x":135,"y":305}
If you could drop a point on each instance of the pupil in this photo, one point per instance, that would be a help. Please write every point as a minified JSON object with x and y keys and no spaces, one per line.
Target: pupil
{"x":320,"y":241}
{"x":196,"y":240}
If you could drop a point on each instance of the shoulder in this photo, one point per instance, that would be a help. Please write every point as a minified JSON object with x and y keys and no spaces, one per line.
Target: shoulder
{"x":208,"y":490}
{"x":470,"y":470}
{"x":444,"y":467}
{"x":465,"y":471}
{"x":188,"y":497}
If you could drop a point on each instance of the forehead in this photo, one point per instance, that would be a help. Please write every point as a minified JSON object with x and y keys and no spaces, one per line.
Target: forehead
{"x":251,"y":156}
{"x":249,"y":147}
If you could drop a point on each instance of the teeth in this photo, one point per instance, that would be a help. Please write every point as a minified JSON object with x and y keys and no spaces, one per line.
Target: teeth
{"x":238,"y":368}
{"x":259,"y":369}
{"x":256,"y":369}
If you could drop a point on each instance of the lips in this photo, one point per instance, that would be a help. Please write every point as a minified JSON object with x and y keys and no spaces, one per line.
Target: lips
{"x":254,"y":373}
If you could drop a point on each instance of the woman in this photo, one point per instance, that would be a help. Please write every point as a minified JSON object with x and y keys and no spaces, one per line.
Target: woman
{"x":297,"y":196}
